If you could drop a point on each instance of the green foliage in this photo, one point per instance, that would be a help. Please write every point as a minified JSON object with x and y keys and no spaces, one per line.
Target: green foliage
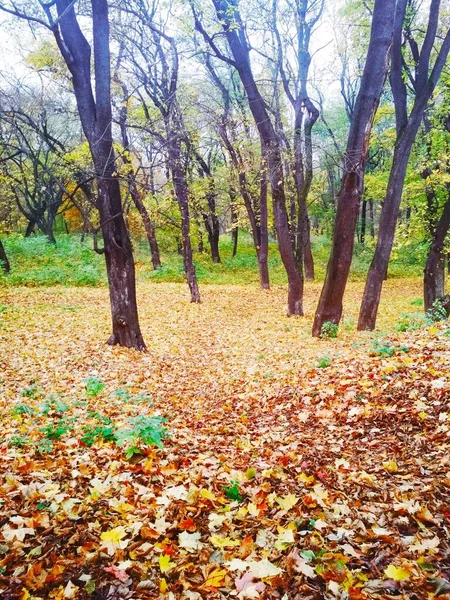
{"x":383,"y":348}
{"x":232,"y":491}
{"x":22,"y":409}
{"x":55,"y":430}
{"x":18,"y":441}
{"x":437,"y":312}
{"x":324,"y":361}
{"x":101,"y":432}
{"x":31,"y":392}
{"x":329,"y":330}
{"x":144,"y":430}
{"x":93,"y":386}
{"x":411,"y":322}
{"x":44,"y":446}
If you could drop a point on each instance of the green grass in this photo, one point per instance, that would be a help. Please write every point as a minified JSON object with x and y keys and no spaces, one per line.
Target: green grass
{"x":35,"y":262}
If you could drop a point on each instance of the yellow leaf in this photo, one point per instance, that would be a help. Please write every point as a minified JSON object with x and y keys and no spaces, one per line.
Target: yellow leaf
{"x":223,"y":542}
{"x":396,"y":573}
{"x":163,"y":586}
{"x":215,"y":578}
{"x":287,"y":502}
{"x":207,"y":495}
{"x":164,"y":563}
{"x":390,"y":466}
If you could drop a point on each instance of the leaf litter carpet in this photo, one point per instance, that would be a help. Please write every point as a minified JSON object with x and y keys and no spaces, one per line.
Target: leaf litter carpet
{"x":295,"y":468}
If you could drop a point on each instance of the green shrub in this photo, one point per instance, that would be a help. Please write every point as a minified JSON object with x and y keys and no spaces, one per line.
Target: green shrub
{"x":437,"y":312}
{"x":324,"y":361}
{"x":329,"y":330}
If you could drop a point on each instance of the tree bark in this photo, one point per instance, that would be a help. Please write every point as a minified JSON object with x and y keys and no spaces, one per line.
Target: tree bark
{"x":4,"y":262}
{"x":362,"y":235}
{"x":434,"y":272}
{"x":407,"y":128}
{"x":269,"y":144}
{"x":263,"y":253}
{"x":96,"y":118}
{"x":182,"y":195}
{"x":330,"y":303}
{"x":30,"y":228}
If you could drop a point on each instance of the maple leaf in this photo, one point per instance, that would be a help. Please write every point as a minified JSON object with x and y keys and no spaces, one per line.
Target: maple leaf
{"x":113,"y":539}
{"x":190,"y":541}
{"x":215,"y":579}
{"x":396,"y":573}
{"x":287,"y":502}
{"x":247,"y":587}
{"x":19,"y":533}
{"x":223,"y":542}
{"x":164,"y":563}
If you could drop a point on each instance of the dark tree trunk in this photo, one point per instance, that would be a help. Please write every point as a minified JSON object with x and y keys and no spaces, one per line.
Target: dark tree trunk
{"x":234,"y":221}
{"x":210,"y":218}
{"x":263,"y":253}
{"x":372,"y":219}
{"x":362,"y":235}
{"x":434,"y":273}
{"x":4,"y":262}
{"x":96,"y":118}
{"x":182,"y":195}
{"x":330,"y":303}
{"x":407,"y":128}
{"x":30,"y":228}
{"x":270,"y":148}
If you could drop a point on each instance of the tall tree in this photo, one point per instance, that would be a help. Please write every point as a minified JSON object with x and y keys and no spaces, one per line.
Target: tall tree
{"x":229,"y":17}
{"x":94,"y":107}
{"x":423,"y":78}
{"x":329,"y":308}
{"x":306,"y":14}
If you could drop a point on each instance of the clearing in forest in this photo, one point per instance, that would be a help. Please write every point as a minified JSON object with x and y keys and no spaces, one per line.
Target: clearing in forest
{"x":293,"y":467}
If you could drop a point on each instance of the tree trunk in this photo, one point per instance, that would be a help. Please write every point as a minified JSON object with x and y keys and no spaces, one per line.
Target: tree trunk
{"x":270,"y":149}
{"x":263,"y":253}
{"x":362,"y":235}
{"x":4,"y":262}
{"x":330,"y":304}
{"x":434,"y":272}
{"x":308,"y":255}
{"x":182,"y":195}
{"x":388,"y":220}
{"x":96,"y":118}
{"x":234,"y":221}
{"x":30,"y":228}
{"x":372,"y":219}
{"x":407,"y":127}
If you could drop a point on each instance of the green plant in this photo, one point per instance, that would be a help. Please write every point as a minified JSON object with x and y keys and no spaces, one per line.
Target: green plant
{"x":144,"y":430}
{"x":383,"y":348}
{"x":22,"y":409}
{"x":92,"y":434}
{"x":324,"y":361}
{"x":93,"y":386}
{"x":436,"y":312}
{"x":44,"y":446}
{"x":232,"y":491}
{"x":32,"y":392}
{"x":411,"y":322}
{"x":18,"y":441}
{"x":54,"y":431}
{"x":329,"y":330}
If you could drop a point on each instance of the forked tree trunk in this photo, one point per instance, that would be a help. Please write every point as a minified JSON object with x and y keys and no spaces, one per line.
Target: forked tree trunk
{"x":96,"y":118}
{"x":407,"y":128}
{"x":434,"y":273}
{"x":4,"y":262}
{"x":270,"y":147}
{"x":330,"y":303}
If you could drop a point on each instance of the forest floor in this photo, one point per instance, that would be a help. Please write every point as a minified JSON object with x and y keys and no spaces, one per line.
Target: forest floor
{"x":295,"y":467}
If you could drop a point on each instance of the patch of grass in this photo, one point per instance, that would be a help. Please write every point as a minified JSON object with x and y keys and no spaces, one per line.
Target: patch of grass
{"x":324,"y":361}
{"x":411,"y":322}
